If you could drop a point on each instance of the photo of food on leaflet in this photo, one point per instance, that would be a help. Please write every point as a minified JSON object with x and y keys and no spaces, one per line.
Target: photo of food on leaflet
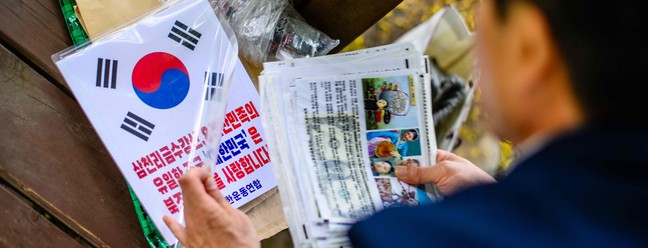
{"x":358,"y":129}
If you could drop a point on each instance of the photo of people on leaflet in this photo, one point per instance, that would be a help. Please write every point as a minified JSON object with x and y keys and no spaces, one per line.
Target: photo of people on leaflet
{"x":394,"y":143}
{"x":389,"y":102}
{"x":386,"y":166}
{"x":394,"y":192}
{"x":382,"y":167}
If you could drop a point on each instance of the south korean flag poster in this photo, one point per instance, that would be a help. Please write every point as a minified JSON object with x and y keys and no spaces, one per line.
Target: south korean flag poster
{"x":145,"y":87}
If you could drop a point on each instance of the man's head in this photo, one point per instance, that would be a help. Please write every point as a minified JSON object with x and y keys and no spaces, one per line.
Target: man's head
{"x":547,"y":65}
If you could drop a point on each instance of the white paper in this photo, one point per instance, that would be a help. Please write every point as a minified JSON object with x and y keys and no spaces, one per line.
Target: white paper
{"x":139,"y":124}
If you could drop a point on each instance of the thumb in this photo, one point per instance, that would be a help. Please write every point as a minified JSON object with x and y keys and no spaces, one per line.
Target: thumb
{"x":176,"y":228}
{"x":442,"y":155}
{"x":213,"y":190}
{"x":419,"y":175}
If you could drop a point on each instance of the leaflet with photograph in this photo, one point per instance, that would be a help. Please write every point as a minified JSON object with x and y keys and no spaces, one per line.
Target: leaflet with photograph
{"x":337,"y":128}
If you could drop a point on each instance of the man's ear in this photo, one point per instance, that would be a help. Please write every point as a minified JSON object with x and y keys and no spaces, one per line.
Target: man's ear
{"x":534,"y":51}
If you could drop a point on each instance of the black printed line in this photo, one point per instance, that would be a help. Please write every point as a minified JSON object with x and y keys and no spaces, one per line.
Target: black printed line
{"x":106,"y":73}
{"x":99,"y":67}
{"x":113,"y":83}
{"x":184,"y":35}
{"x":181,"y":25}
{"x":188,"y":45}
{"x":130,"y":130}
{"x":144,"y":129}
{"x":140,"y":120}
{"x":195,"y":33}
{"x":174,"y":37}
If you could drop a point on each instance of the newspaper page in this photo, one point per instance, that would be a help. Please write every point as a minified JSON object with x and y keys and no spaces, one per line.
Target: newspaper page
{"x":358,"y":129}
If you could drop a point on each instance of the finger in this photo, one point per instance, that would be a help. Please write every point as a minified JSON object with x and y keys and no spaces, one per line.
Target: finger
{"x":421,"y":175}
{"x":445,"y":155}
{"x":406,"y":174}
{"x":214,"y":192}
{"x":175,"y":227}
{"x":193,"y":188}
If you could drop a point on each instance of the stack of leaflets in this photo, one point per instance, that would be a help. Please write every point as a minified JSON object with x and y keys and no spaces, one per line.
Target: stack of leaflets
{"x":338,"y":126}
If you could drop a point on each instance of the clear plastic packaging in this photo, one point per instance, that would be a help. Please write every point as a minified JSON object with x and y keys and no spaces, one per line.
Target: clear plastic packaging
{"x":445,"y":38}
{"x":270,"y":30}
{"x":155,"y":90}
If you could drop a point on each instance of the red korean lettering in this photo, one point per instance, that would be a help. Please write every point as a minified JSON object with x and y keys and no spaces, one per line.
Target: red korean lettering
{"x":171,"y":206}
{"x":170,"y":180}
{"x":227,"y":126}
{"x":236,"y":169}
{"x":185,"y":143}
{"x":167,"y":155}
{"x":176,"y":150}
{"x":219,"y":181}
{"x":160,"y":185}
{"x":233,"y":120}
{"x":251,"y":109}
{"x":246,"y":163}
{"x":229,"y":177}
{"x":177,"y":197}
{"x":156,"y":159}
{"x":139,"y":169}
{"x":177,"y":172}
{"x":255,"y":135}
{"x":242,"y":114}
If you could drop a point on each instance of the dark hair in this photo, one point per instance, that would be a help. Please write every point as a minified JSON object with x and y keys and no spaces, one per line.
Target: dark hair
{"x":603,"y":48}
{"x":372,"y":104}
{"x":413,"y":131}
{"x":391,"y":166}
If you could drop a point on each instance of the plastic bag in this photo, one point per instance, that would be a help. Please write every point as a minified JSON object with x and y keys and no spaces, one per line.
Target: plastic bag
{"x":269,"y":30}
{"x":446,"y":39}
{"x":155,"y":90}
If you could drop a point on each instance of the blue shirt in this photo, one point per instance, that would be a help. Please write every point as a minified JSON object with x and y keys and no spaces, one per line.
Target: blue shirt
{"x":588,"y":188}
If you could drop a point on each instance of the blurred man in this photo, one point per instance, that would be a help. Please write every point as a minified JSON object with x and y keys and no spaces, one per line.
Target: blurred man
{"x":559,"y":79}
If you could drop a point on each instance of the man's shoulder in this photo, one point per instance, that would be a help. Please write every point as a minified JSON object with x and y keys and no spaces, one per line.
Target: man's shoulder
{"x":495,"y":216}
{"x":478,"y":216}
{"x":587,"y":189}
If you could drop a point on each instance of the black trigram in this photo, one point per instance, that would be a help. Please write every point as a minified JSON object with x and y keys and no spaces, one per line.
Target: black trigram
{"x":184,"y":35}
{"x":106,"y":73}
{"x":213,"y":80}
{"x":137,"y":126}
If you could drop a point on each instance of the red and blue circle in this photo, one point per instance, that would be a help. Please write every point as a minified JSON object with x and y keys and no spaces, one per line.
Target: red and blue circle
{"x":160,"y":80}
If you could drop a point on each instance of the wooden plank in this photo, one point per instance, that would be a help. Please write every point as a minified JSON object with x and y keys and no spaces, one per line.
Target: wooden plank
{"x":49,"y":151}
{"x":36,"y":30}
{"x":344,"y":20}
{"x":20,"y":224}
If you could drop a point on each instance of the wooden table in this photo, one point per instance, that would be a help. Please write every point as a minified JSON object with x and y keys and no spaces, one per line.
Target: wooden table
{"x":59,"y":186}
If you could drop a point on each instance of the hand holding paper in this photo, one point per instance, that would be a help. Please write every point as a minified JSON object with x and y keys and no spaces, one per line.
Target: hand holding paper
{"x":451,"y":174}
{"x":210,"y":220}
